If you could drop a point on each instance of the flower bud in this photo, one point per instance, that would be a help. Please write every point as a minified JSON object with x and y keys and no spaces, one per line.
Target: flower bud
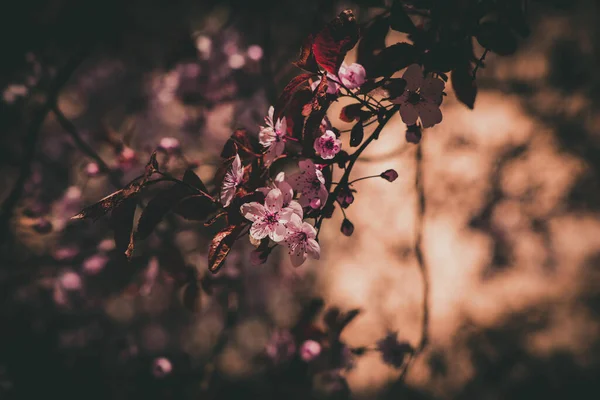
{"x":310,"y":350}
{"x":347,"y":227}
{"x":161,"y":367}
{"x":413,"y":134}
{"x":390,"y":175}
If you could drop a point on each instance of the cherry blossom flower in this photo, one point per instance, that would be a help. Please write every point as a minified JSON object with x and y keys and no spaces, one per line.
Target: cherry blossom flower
{"x":233,"y":177}
{"x":310,"y":183}
{"x":327,"y":145}
{"x":301,"y":241}
{"x":332,"y":86}
{"x":352,"y":76}
{"x":421,"y":98}
{"x":309,"y":350}
{"x":268,"y":219}
{"x":272,"y":136}
{"x":287,"y":191}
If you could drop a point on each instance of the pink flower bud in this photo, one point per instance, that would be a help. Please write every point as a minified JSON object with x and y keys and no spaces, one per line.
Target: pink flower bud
{"x":161,"y":367}
{"x":390,"y":175}
{"x":347,"y":227}
{"x":255,"y":52}
{"x":70,"y":281}
{"x":310,"y":350}
{"x":169,"y":144}
{"x":92,"y":169}
{"x":353,"y":75}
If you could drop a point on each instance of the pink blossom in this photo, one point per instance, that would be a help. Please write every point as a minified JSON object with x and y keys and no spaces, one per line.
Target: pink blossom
{"x":332,"y":86}
{"x":281,"y":346}
{"x":268,"y":219}
{"x":421,"y":98}
{"x":352,"y":76}
{"x":94,"y":264}
{"x":301,"y":241}
{"x":310,"y":183}
{"x":327,"y":145}
{"x":161,"y":367}
{"x":70,"y":281}
{"x":169,"y":144}
{"x":92,"y":169}
{"x":287,"y":192}
{"x":310,"y":350}
{"x":272,"y":136}
{"x":233,"y":177}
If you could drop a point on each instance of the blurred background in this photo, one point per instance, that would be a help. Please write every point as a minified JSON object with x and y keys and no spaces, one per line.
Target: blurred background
{"x":509,"y":287}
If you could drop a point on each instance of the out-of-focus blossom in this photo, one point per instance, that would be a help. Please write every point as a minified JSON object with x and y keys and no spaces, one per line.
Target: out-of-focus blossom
{"x":390,"y":175}
{"x":65,"y":253}
{"x":288,"y":193}
{"x":310,"y":183}
{"x":13,"y":92}
{"x":70,"y":281}
{"x":301,"y":241}
{"x":310,"y":350}
{"x":106,"y":245}
{"x":161,"y":367}
{"x":258,"y":257}
{"x":352,"y":76}
{"x":392,"y":351}
{"x":422,"y":98}
{"x":268,"y":219}
{"x":233,"y":177}
{"x":169,"y":144}
{"x":127,"y":158}
{"x":281,"y":346}
{"x":204,"y":46}
{"x":327,"y":145}
{"x":150,"y":276}
{"x":255,"y":52}
{"x":94,"y":264}
{"x":272,"y":136}
{"x":92,"y":169}
{"x":236,"y":61}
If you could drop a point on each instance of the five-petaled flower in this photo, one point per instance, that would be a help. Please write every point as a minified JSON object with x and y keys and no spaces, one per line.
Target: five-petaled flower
{"x":286,"y":189}
{"x":233,"y":177}
{"x":301,"y":241}
{"x":327,"y":145}
{"x":352,"y":76}
{"x":421,"y":98}
{"x":268,"y":219}
{"x":310,"y":183}
{"x":272,"y":136}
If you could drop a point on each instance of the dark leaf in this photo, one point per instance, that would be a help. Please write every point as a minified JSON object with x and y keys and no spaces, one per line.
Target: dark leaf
{"x":195,"y":208}
{"x":215,"y":218}
{"x":333,"y":42}
{"x":393,"y":59}
{"x":221,"y":246}
{"x":152,"y":165}
{"x":239,"y":143}
{"x":331,"y":318}
{"x":287,"y":93}
{"x":357,"y":134}
{"x":464,"y":84}
{"x":400,"y":21}
{"x":395,"y":87}
{"x":111,"y":201}
{"x":347,"y":317}
{"x":497,"y":38}
{"x":194,"y":180}
{"x":173,"y":263}
{"x":306,"y":59}
{"x":158,"y":207}
{"x":121,"y":219}
{"x":294,"y":117}
{"x":372,"y":41}
{"x":351,"y":112}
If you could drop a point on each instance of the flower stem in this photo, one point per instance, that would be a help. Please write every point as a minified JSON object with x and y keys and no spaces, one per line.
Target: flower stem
{"x":363,"y":178}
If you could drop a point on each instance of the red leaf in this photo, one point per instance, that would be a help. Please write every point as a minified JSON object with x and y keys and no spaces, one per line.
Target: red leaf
{"x":333,"y":42}
{"x":351,"y":112}
{"x":221,"y":246}
{"x":306,"y":59}
{"x":464,"y":85}
{"x":287,"y":93}
{"x":315,"y":112}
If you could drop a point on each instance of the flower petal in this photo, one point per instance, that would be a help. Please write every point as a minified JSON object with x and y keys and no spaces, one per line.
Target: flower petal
{"x":313,"y":249}
{"x":260,"y":230}
{"x":298,"y":256}
{"x":296,"y":208}
{"x":409,"y":114}
{"x":227,"y":194}
{"x":413,"y":77}
{"x":309,"y":230}
{"x":430,"y":114}
{"x":278,"y":233}
{"x":252,"y":211}
{"x":432,"y":89}
{"x":274,"y":201}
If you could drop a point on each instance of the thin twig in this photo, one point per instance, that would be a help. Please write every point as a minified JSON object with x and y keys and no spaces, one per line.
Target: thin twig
{"x":31,"y":139}
{"x":70,"y":128}
{"x":480,"y":63}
